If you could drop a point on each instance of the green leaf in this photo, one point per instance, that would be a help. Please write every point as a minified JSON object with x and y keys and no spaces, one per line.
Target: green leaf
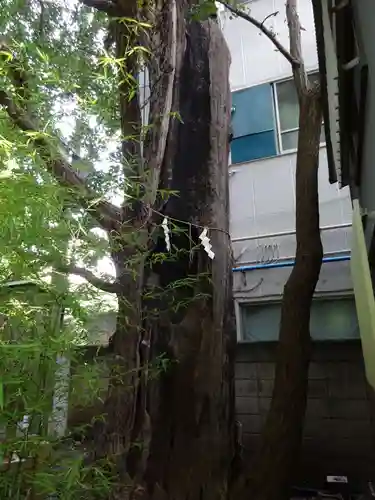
{"x":1,"y":395}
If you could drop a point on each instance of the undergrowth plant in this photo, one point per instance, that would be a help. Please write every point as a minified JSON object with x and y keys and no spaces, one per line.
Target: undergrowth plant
{"x":39,"y":457}
{"x":82,"y":193}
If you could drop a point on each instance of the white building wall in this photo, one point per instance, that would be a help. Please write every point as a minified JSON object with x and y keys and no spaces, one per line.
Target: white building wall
{"x":262,"y":192}
{"x":262,"y":197}
{"x":254,"y":58}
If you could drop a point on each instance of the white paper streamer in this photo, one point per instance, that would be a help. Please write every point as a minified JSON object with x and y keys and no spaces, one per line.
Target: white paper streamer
{"x":206,"y":243}
{"x":166,"y":233}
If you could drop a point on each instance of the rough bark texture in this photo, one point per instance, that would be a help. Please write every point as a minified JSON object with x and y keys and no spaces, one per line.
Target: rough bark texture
{"x":191,"y":408}
{"x":184,"y":418}
{"x":270,"y":475}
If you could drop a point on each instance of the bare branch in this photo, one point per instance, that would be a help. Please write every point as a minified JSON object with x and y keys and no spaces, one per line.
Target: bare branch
{"x":300,"y":77}
{"x":156,"y":145}
{"x":41,"y":19}
{"x":94,"y":280}
{"x":295,"y":62}
{"x":110,"y":8}
{"x":107,"y":215}
{"x":273,"y":14}
{"x":340,"y":6}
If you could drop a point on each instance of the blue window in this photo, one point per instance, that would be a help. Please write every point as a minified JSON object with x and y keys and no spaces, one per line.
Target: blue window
{"x":253,"y":124}
{"x":265,"y":120}
{"x":253,"y":147}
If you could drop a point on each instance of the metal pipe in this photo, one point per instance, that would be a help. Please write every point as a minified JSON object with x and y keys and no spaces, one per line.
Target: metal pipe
{"x":286,"y":263}
{"x":285,"y":258}
{"x":288,"y":233}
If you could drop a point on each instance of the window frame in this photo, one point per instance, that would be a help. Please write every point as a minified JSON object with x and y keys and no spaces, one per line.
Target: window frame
{"x":276,"y":115}
{"x":279,"y":132}
{"x":264,"y":301}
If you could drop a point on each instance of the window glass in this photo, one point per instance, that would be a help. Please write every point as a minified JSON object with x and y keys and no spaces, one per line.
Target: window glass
{"x":331,"y":319}
{"x":253,"y":147}
{"x":288,"y":105}
{"x":252,"y":110}
{"x":289,"y":140}
{"x":253,"y":124}
{"x":288,"y":109}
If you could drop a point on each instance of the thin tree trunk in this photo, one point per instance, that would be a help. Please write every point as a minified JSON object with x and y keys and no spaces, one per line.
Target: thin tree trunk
{"x":274,"y":466}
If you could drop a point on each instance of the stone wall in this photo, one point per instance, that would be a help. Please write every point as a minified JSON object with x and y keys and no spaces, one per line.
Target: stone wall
{"x":339,"y":433}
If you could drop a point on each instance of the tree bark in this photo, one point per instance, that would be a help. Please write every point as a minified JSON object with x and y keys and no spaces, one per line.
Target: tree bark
{"x":192,"y":406}
{"x":274,"y":466}
{"x":183,"y":419}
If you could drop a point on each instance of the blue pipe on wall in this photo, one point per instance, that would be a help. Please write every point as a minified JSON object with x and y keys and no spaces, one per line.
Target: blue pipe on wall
{"x":286,"y":263}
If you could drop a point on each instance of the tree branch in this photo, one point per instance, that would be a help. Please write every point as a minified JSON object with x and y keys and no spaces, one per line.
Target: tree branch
{"x":130,"y":113}
{"x":160,"y":109}
{"x":295,"y":62}
{"x":94,"y":280}
{"x":300,"y":77}
{"x":110,"y":8}
{"x":106,"y":214}
{"x":41,"y":19}
{"x":273,"y":14}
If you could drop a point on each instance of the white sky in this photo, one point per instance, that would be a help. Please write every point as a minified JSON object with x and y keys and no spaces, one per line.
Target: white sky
{"x":66,"y":128}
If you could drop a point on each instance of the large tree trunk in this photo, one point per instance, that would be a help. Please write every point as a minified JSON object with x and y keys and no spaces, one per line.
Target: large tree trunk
{"x":274,"y":466}
{"x":192,"y":405}
{"x":183,"y":418}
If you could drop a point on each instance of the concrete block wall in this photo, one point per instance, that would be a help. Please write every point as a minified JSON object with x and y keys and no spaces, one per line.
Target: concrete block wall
{"x":339,"y":436}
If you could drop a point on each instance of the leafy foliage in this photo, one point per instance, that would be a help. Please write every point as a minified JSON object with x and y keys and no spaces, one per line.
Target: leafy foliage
{"x":71,"y":96}
{"x":203,"y":9}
